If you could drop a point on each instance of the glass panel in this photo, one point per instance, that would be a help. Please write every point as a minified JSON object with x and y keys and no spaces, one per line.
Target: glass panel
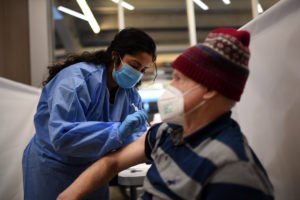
{"x":235,"y":14}
{"x":74,"y":35}
{"x":165,"y":21}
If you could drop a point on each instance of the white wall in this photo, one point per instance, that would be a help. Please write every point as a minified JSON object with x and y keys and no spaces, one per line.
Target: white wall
{"x":17,"y":104}
{"x":269,"y":112}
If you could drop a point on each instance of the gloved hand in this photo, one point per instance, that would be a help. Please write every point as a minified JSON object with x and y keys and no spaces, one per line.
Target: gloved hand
{"x":132,"y":122}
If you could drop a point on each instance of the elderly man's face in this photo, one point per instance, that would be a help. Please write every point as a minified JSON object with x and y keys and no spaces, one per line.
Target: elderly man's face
{"x":183,"y":83}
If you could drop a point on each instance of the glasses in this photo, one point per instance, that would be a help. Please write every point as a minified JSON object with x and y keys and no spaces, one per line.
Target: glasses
{"x":136,"y":65}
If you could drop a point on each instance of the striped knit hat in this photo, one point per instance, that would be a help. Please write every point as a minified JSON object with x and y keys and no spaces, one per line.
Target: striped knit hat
{"x":220,"y":63}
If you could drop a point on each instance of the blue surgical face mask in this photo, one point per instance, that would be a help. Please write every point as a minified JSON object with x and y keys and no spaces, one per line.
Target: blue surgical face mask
{"x":127,"y":76}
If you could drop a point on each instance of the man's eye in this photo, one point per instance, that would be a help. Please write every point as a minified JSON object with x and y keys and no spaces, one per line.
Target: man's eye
{"x":176,"y":78}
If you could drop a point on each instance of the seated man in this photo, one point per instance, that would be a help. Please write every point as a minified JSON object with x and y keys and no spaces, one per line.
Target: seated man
{"x":198,"y":152}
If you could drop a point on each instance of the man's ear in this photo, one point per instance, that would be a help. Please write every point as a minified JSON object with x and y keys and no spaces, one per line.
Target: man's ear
{"x":210,"y":94}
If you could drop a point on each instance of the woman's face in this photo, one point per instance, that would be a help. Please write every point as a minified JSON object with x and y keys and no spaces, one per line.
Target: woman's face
{"x":140,"y":61}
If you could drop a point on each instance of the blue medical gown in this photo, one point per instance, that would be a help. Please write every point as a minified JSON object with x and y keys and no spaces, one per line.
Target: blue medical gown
{"x":75,"y":125}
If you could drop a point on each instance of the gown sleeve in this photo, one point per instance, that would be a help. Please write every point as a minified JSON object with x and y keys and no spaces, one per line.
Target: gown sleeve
{"x":140,"y":130}
{"x":70,"y":132}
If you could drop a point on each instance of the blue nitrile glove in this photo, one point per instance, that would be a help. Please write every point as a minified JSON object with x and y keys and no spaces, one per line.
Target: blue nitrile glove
{"x":132,"y":122}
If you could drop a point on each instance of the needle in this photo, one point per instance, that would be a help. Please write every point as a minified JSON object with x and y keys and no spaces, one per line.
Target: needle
{"x":135,"y":108}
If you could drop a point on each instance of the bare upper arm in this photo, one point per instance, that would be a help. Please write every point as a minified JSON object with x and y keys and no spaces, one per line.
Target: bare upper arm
{"x":105,"y":168}
{"x":130,"y":155}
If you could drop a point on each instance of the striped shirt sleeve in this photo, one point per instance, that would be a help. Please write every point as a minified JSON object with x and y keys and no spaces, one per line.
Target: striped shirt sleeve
{"x":237,"y":180}
{"x":217,"y":191}
{"x":150,"y":140}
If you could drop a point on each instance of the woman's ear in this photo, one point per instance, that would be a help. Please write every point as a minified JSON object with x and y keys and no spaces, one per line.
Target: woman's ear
{"x":115,"y":58}
{"x":114,"y":55}
{"x":210,"y":94}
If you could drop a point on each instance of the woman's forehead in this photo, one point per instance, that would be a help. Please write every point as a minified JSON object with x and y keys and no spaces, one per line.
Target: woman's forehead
{"x":141,"y":57}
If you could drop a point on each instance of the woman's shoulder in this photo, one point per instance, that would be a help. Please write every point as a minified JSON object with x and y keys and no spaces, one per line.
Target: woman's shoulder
{"x":85,"y":69}
{"x":78,"y":74}
{"x":134,"y":94}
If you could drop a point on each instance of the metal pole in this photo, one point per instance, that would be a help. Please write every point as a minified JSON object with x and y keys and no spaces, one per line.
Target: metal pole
{"x":191,"y":22}
{"x":254,"y":4}
{"x":121,"y":20}
{"x":133,"y":193}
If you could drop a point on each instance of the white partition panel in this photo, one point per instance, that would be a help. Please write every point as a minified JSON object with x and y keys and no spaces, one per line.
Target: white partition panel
{"x":269,"y":112}
{"x":17,"y":104}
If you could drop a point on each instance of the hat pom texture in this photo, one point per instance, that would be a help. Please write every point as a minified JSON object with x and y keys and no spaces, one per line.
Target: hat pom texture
{"x":219,"y":63}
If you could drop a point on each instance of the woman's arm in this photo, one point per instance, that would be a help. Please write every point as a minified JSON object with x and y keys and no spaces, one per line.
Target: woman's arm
{"x":71,"y":133}
{"x":102,"y":171}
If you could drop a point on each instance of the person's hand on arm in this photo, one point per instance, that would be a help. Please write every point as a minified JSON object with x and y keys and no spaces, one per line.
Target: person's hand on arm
{"x":102,"y":171}
{"x":132,"y":122}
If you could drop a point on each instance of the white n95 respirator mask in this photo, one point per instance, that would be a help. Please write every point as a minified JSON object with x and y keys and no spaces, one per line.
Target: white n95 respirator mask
{"x":171,"y":105}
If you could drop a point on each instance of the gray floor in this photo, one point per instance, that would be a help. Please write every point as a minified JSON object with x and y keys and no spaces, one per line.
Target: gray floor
{"x":115,"y":193}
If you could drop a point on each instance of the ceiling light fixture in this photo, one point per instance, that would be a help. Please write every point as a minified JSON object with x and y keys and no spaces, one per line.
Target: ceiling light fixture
{"x":71,"y":12}
{"x":201,"y":4}
{"x":259,"y":8}
{"x":227,"y":2}
{"x":89,"y":15}
{"x":125,"y":5}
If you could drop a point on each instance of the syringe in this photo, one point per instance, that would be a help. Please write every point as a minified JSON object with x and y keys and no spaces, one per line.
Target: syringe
{"x":136,"y":109}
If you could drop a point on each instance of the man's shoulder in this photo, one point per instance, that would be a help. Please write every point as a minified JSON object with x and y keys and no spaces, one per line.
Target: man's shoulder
{"x":156,"y":131}
{"x":229,"y":145}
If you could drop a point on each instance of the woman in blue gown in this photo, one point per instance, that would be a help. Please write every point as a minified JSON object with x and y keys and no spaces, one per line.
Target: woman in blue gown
{"x":87,"y":108}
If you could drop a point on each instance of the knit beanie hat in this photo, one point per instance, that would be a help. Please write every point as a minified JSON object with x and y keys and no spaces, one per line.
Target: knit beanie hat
{"x":219,"y":63}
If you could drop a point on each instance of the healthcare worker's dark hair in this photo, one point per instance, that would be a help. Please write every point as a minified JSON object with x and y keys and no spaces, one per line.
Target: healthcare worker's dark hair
{"x":128,"y":41}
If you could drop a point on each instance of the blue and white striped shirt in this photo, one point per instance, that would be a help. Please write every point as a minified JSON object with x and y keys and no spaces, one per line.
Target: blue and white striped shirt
{"x":214,"y":162}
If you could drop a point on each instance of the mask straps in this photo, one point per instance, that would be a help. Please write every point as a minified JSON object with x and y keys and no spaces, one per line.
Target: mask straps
{"x":121,"y":59}
{"x":195,"y":107}
{"x":198,"y":105}
{"x":189,"y":90}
